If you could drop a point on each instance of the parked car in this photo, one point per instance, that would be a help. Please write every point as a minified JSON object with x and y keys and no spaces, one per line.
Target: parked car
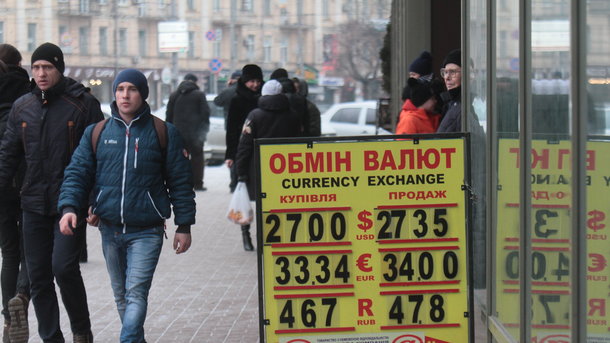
{"x":353,"y":119}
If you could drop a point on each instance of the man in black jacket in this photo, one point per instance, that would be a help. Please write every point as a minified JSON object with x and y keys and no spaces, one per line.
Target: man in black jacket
{"x":188,"y":110}
{"x":44,"y":127}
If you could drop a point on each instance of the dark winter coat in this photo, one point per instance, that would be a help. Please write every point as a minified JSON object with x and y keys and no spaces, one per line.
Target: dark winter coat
{"x":314,"y":121}
{"x":244,"y":101}
{"x":223,"y":99}
{"x":134,"y":182}
{"x":188,"y":110}
{"x":452,"y":120}
{"x":45,"y":127}
{"x":273,"y":118}
{"x":13,"y":85}
{"x":298,"y":104}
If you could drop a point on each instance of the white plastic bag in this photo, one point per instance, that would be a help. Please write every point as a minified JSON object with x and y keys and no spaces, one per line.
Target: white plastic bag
{"x":240,"y":211}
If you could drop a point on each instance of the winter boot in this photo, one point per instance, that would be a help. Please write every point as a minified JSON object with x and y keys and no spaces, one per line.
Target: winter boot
{"x":245,"y":233}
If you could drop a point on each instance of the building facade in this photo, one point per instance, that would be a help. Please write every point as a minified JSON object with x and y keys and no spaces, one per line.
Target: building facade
{"x":101,"y":37}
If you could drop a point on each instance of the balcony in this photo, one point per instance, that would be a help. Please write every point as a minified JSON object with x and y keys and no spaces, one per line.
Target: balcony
{"x":83,"y":9}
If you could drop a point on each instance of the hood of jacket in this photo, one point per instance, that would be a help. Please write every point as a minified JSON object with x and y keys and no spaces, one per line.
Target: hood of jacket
{"x":274,"y":103}
{"x":13,"y":84}
{"x":408,"y":106}
{"x":187,"y":86}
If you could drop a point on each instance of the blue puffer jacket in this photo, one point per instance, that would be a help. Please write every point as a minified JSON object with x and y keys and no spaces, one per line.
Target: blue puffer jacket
{"x":130,"y":190}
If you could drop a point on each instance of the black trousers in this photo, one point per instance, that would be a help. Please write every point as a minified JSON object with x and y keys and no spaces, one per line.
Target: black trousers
{"x":13,"y":277}
{"x":195,"y":150}
{"x":50,"y":255}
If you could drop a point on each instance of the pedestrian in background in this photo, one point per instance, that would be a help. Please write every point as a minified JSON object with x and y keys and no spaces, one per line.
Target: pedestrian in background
{"x":244,"y":101}
{"x":313,"y":113}
{"x":132,"y":198}
{"x":223,"y":99}
{"x":44,"y":127}
{"x":14,"y":82}
{"x":422,"y":118}
{"x":188,"y":110}
{"x":421,"y":67}
{"x":298,"y":103}
{"x":273,"y":118}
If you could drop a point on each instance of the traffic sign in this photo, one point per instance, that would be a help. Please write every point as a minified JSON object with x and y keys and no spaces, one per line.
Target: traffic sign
{"x":215,"y":65}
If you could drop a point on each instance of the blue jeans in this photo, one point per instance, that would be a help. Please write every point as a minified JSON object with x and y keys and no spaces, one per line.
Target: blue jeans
{"x":131,"y":260}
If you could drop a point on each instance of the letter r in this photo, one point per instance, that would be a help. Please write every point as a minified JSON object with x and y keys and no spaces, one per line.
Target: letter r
{"x":364,"y":305}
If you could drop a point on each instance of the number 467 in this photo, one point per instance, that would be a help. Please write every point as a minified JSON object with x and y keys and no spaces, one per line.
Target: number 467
{"x":308,"y":313}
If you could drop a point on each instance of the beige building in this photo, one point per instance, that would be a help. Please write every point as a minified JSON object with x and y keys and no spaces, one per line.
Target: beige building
{"x":101,"y":37}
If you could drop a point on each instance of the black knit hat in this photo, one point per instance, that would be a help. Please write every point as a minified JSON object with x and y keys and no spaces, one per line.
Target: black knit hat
{"x":455,"y":57}
{"x":422,"y":65}
{"x":51,"y":53}
{"x":251,"y":72}
{"x":190,"y":77}
{"x":279,"y":73}
{"x":420,"y":91}
{"x":134,"y":77}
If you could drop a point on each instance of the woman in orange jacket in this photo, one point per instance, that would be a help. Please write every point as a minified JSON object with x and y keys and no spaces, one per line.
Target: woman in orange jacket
{"x":418,"y":113}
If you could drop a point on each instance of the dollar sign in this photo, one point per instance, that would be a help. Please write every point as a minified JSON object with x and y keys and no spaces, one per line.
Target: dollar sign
{"x":367,"y":223}
{"x":595,"y":217}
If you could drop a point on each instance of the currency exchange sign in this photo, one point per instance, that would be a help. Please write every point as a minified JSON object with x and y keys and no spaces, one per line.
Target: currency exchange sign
{"x":363,"y":241}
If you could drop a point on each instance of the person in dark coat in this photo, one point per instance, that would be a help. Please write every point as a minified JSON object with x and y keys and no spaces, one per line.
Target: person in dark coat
{"x":451,"y":73}
{"x":223,"y":99}
{"x":313,"y":112}
{"x":273,"y":118}
{"x":244,"y":101}
{"x":298,"y":103}
{"x":45,"y":127}
{"x":188,"y":110}
{"x":14,"y":82}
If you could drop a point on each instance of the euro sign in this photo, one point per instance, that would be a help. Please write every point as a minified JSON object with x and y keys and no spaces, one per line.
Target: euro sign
{"x":598,"y":263}
{"x":595,"y":219}
{"x":363,"y":263}
{"x":367,"y":223}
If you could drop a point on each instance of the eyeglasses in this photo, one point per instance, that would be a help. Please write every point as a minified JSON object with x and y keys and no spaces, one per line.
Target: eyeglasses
{"x":450,"y":72}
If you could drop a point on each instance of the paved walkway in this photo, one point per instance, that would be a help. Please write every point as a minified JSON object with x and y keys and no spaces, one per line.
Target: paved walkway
{"x":208,"y":295}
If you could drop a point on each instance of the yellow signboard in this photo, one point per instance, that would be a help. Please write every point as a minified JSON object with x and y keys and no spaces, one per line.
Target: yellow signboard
{"x":364,"y":241}
{"x":551,"y":239}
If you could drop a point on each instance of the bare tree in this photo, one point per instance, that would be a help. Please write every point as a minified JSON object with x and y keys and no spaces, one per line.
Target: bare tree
{"x":359,"y":45}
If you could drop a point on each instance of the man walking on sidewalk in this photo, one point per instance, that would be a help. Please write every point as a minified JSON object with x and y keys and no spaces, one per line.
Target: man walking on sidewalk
{"x":188,"y":109}
{"x":138,"y":169}
{"x":44,"y":127}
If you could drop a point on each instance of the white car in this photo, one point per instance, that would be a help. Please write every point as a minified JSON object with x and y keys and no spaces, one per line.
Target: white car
{"x":353,"y":119}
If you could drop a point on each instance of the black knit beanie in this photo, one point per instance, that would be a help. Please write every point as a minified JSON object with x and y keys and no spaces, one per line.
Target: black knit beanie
{"x":455,"y":57}
{"x":279,"y":73}
{"x":251,"y":72}
{"x":134,"y":77}
{"x":422,"y":65}
{"x":51,"y":53}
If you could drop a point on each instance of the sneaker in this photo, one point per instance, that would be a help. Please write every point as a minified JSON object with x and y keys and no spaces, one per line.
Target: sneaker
{"x":83,"y":337}
{"x":18,"y":331}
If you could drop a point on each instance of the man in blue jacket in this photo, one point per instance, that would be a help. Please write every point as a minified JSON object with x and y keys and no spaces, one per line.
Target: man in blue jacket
{"x":135,"y":181}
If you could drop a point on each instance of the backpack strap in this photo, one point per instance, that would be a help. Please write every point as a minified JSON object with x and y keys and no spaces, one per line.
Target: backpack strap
{"x":161,"y":129}
{"x":95,"y":135}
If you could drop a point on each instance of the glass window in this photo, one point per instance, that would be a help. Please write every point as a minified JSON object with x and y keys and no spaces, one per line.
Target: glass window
{"x":84,"y":6}
{"x":346,"y":115}
{"x":246,"y":5}
{"x":103,"y":41}
{"x":161,"y":3}
{"x":325,"y":9}
{"x":250,"y":47}
{"x":142,"y":46}
{"x":216,"y":48}
{"x":190,"y":4}
{"x":1,"y":32}
{"x":122,"y":42}
{"x":191,"y":51}
{"x":31,"y":36}
{"x":284,"y":51}
{"x":83,"y":40}
{"x":371,"y":116}
{"x":267,"y":49}
{"x":216,"y":6}
{"x":267,"y":7}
